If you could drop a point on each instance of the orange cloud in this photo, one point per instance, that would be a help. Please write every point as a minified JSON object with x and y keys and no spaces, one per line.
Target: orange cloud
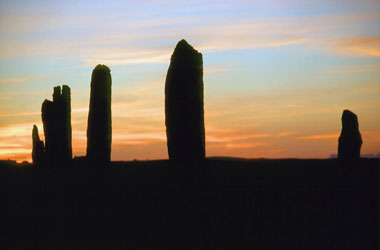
{"x":358,"y":46}
{"x":16,"y":142}
{"x":214,"y":137}
{"x":125,"y":137}
{"x":17,"y":130}
{"x":372,"y":134}
{"x":245,"y":145}
{"x":286,"y":133}
{"x":319,"y":137}
{"x":20,"y":114}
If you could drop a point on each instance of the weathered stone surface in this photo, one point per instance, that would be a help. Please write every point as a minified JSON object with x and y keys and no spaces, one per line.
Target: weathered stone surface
{"x":56,"y":118}
{"x":38,"y":151}
{"x":184,"y":112}
{"x":350,"y":140}
{"x":99,"y":128}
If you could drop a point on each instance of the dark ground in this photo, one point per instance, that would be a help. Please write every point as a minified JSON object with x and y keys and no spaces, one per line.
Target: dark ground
{"x":227,"y":204}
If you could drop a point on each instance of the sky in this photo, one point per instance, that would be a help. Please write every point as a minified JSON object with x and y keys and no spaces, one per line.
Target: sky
{"x":277,"y":74}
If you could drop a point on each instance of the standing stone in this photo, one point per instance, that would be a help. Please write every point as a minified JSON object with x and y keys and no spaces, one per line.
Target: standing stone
{"x":56,"y":118}
{"x":184,"y":118}
{"x":99,"y":127}
{"x":350,"y":140}
{"x":38,"y":147}
{"x":48,"y":113}
{"x":66,"y":127}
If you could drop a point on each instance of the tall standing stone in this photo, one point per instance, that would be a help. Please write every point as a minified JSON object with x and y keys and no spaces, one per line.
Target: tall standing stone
{"x":56,"y":118}
{"x":38,"y":150}
{"x":99,"y":129}
{"x":350,"y":140}
{"x":66,"y":115}
{"x":184,"y":112}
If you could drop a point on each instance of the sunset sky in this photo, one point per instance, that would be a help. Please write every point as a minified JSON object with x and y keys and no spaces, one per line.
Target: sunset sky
{"x":277,"y":74}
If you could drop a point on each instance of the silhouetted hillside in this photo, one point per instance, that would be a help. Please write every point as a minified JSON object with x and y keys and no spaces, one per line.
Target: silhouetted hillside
{"x":231,"y":204}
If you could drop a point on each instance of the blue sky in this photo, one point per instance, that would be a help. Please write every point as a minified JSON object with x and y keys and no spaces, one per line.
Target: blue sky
{"x":278,"y":74}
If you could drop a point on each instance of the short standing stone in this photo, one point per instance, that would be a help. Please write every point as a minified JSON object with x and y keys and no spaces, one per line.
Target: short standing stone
{"x":38,"y":147}
{"x":350,"y":140}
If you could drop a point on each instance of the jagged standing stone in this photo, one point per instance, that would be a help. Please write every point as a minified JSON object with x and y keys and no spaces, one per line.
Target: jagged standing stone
{"x":184,"y":113}
{"x":99,"y":129}
{"x":350,"y":140}
{"x":38,"y":148}
{"x":56,"y":118}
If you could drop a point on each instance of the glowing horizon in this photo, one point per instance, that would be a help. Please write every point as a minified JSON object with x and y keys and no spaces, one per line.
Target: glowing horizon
{"x":277,"y":74}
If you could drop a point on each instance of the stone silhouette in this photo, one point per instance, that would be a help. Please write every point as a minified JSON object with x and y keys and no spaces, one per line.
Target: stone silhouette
{"x":350,"y":140}
{"x":99,"y":129}
{"x":184,"y":112}
{"x":56,"y":118}
{"x":38,"y":151}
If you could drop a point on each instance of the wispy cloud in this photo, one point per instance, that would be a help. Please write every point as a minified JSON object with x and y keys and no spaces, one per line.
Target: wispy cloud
{"x":20,"y":114}
{"x":16,"y":141}
{"x":121,"y":138}
{"x":80,"y":110}
{"x":232,"y":137}
{"x":148,"y":40}
{"x":12,"y":80}
{"x":144,"y":32}
{"x":362,"y":68}
{"x":125,"y":110}
{"x":374,"y":135}
{"x":285,"y":133}
{"x":245,"y":145}
{"x":17,"y":130}
{"x":218,"y":69}
{"x":319,"y":137}
{"x":358,"y":46}
{"x":118,"y":58}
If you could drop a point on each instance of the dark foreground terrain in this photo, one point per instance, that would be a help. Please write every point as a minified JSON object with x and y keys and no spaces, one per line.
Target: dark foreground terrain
{"x":223,"y":204}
